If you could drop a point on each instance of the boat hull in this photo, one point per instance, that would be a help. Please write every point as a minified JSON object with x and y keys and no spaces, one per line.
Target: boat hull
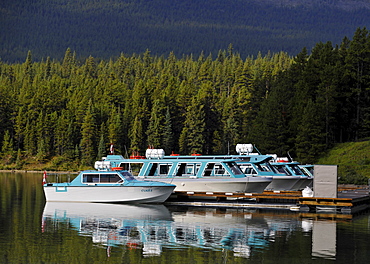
{"x":302,"y":183}
{"x":283,"y":183}
{"x":213,"y":184}
{"x":108,"y":194}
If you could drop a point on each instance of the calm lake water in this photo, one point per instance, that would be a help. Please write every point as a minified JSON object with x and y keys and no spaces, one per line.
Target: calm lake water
{"x":33,"y":231}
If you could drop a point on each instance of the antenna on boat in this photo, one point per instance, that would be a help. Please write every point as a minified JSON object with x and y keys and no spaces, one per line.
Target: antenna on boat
{"x":290,"y":158}
{"x":126,"y":154}
{"x":257,"y":149}
{"x":228,"y":147}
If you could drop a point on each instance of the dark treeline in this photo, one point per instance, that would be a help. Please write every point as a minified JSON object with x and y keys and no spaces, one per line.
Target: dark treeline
{"x":105,"y":28}
{"x":73,"y":111}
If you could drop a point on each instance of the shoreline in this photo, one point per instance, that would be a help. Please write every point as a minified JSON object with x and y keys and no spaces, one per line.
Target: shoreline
{"x":41,"y":171}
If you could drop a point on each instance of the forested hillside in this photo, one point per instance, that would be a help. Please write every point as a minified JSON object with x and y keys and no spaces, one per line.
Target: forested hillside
{"x":353,"y":160}
{"x":106,"y":28}
{"x":71,"y":111}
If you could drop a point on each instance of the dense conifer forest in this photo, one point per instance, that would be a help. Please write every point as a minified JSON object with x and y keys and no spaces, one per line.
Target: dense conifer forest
{"x":105,"y":28}
{"x":70,"y":111}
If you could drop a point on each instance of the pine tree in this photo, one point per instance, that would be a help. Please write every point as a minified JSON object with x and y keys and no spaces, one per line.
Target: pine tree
{"x":358,"y":66}
{"x":207,"y":99}
{"x":136,"y":135}
{"x":156,"y":125}
{"x":192,"y":138}
{"x":87,"y":144}
{"x":115,"y":130}
{"x":310,"y":139}
{"x":7,"y":144}
{"x":168,"y":140}
{"x":28,"y":68}
{"x":102,"y":147}
{"x":68,"y":63}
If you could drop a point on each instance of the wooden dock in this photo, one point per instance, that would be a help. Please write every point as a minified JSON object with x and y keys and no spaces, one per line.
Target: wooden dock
{"x":349,"y":200}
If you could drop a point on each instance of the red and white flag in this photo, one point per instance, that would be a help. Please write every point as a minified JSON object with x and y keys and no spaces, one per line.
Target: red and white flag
{"x":111,"y":149}
{"x":44,"y":178}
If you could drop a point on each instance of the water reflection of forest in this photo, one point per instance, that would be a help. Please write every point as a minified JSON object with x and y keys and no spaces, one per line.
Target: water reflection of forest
{"x":153,"y":227}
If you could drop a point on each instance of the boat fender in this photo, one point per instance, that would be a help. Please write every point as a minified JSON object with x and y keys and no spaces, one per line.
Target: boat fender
{"x":307,"y":192}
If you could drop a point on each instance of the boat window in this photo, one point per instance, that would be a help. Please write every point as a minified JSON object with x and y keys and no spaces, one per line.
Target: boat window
{"x":260,"y":167}
{"x":219,"y":169}
{"x":101,"y":178}
{"x":164,"y":169}
{"x":90,"y":178}
{"x":110,"y":178}
{"x":132,"y":167}
{"x":266,"y":167}
{"x":272,"y":168}
{"x":181,"y":169}
{"x":296,"y":169}
{"x":234,"y":168}
{"x":192,"y":169}
{"x":197,"y":168}
{"x":208,"y":170}
{"x":249,"y":170}
{"x":307,"y":171}
{"x":187,"y":169}
{"x":282,"y":169}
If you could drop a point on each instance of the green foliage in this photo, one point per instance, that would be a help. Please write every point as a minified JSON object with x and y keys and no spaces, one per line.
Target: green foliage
{"x":72,"y":111}
{"x":88,"y":138}
{"x":353,"y":159}
{"x":192,"y":138}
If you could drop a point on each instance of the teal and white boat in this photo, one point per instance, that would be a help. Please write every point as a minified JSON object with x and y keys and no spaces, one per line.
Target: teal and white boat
{"x":107,"y":187}
{"x":195,"y":173}
{"x":292,"y":168}
{"x":254,"y":163}
{"x":307,"y":169}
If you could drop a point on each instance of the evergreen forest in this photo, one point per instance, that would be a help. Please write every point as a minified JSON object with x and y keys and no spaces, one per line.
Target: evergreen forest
{"x":68,"y":112}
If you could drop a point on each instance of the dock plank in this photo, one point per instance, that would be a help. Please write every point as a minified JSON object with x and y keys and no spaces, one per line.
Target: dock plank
{"x":348,"y":198}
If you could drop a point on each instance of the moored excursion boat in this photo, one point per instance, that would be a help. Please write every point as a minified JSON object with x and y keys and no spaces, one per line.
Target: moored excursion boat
{"x":195,"y":173}
{"x":107,"y":187}
{"x":253,"y":163}
{"x":307,"y":169}
{"x":292,"y":168}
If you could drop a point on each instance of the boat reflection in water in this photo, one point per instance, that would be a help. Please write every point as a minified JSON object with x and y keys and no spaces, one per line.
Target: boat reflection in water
{"x":151,"y":228}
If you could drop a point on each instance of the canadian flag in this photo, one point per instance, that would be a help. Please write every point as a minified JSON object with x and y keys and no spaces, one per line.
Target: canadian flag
{"x":44,"y":178}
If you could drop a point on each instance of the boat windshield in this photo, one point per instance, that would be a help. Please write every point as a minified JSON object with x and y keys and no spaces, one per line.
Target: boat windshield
{"x":234,"y":168}
{"x":282,"y":169}
{"x":296,"y":169}
{"x":307,"y":171}
{"x":266,"y":167}
{"x":128,"y":176}
{"x":248,"y":169}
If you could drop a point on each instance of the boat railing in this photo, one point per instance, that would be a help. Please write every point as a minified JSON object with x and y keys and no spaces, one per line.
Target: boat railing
{"x":54,"y":177}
